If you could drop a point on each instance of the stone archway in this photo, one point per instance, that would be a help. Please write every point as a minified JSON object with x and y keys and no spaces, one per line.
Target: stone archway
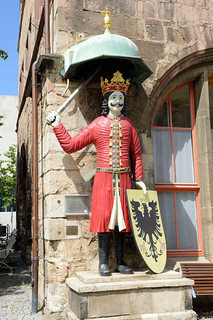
{"x":24,"y":242}
{"x":185,"y":70}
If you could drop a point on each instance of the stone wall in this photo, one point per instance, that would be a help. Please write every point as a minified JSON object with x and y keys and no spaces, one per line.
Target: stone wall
{"x":164,"y":31}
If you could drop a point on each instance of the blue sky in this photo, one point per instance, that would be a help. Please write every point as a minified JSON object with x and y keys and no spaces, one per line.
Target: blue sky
{"x":9,"y":30}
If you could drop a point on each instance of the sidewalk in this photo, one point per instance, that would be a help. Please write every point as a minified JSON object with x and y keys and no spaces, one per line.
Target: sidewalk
{"x":16,"y":291}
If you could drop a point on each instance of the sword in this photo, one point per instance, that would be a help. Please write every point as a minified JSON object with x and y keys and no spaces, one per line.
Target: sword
{"x":72,"y":96}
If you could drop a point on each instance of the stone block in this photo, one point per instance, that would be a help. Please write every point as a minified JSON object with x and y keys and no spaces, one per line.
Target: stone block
{"x":188,"y":299}
{"x":87,"y":173}
{"x":111,"y":304}
{"x":186,"y":14}
{"x":166,"y":10}
{"x":60,"y":181}
{"x":54,"y":99}
{"x":154,"y":30}
{"x":92,"y":296}
{"x":183,"y":315}
{"x":54,"y":229}
{"x":54,"y":206}
{"x":121,"y":7}
{"x":153,"y":50}
{"x":121,"y":26}
{"x":73,"y":20}
{"x":174,"y":35}
{"x":61,"y":41}
{"x":148,"y":162}
{"x":61,"y":271}
{"x":49,"y":143}
{"x":56,"y":297}
{"x":146,"y":144}
{"x":146,"y":9}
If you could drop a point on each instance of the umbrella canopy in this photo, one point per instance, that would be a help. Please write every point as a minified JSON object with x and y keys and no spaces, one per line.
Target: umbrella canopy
{"x":111,"y":51}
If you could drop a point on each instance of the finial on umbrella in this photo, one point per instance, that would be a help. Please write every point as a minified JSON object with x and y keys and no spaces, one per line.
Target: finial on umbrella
{"x":107,"y":20}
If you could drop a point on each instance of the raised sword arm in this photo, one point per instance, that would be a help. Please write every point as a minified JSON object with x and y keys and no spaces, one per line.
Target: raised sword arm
{"x":71,"y":97}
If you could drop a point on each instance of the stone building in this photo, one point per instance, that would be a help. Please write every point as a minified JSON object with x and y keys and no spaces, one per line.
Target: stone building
{"x":172,"y":111}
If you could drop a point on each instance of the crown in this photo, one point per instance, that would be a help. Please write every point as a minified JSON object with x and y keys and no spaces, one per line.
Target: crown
{"x":117,"y":83}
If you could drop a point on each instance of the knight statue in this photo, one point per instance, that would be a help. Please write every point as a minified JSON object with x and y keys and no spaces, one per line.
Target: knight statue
{"x":118,"y":146}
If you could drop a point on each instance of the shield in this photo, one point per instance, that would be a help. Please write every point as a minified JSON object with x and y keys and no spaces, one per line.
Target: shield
{"x":147,"y":228}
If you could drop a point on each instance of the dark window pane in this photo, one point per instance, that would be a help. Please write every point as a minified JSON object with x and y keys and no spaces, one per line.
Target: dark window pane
{"x":211,"y":102}
{"x":181,"y":116}
{"x":162,"y":116}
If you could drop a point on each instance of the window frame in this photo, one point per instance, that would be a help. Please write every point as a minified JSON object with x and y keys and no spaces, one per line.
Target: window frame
{"x":183,"y":187}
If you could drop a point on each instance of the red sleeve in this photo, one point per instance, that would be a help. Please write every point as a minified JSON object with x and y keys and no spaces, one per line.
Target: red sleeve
{"x":81,"y":140}
{"x":135,"y":155}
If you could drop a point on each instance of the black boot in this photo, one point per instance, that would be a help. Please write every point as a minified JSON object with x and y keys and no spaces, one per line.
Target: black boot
{"x":119,"y":250}
{"x":103,"y":243}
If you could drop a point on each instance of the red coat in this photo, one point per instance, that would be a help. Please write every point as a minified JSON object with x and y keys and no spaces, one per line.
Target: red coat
{"x":98,"y":133}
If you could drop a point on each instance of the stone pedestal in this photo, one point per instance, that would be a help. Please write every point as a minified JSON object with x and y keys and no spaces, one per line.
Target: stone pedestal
{"x":143,"y":295}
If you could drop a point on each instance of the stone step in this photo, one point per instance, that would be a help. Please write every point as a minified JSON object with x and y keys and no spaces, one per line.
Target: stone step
{"x":179,"y":315}
{"x":142,"y":294}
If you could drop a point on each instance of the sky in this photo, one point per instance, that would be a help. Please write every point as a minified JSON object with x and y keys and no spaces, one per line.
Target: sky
{"x":9,"y":30}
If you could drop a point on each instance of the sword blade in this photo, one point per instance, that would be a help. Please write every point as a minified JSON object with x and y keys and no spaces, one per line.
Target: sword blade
{"x":72,"y":96}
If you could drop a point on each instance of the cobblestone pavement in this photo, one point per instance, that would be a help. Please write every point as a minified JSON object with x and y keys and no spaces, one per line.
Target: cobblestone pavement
{"x":204,"y":315}
{"x":16,"y":291}
{"x":15,"y":303}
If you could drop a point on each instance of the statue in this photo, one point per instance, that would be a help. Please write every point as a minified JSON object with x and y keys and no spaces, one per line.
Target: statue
{"x":116,"y":141}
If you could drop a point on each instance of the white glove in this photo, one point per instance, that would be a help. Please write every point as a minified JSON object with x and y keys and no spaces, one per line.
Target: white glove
{"x":140,"y":185}
{"x":53,"y":118}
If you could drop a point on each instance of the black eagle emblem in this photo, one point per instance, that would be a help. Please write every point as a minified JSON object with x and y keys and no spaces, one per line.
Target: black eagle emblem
{"x":148,"y":227}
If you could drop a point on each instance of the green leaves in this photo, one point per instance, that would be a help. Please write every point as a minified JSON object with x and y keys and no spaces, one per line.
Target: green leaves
{"x":8,"y":177}
{"x":3,"y":54}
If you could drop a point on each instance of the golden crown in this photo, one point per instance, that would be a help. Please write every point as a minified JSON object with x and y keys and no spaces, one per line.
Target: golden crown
{"x":117,"y":83}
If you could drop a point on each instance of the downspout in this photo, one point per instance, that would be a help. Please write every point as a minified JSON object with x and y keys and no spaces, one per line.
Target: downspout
{"x":35,"y":191}
{"x":35,"y":258}
{"x":47,"y":27}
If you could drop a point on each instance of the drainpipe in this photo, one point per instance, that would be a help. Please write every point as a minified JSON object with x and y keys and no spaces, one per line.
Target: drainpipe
{"x":47,"y":26}
{"x":35,"y":191}
{"x":35,"y":258}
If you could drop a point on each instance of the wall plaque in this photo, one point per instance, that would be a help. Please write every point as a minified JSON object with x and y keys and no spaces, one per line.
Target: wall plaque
{"x":77,"y":204}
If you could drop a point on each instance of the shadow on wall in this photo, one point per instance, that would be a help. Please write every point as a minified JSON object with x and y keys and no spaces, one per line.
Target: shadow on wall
{"x":24,"y":206}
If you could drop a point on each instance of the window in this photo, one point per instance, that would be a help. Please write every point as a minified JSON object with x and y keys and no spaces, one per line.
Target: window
{"x":175,"y":167}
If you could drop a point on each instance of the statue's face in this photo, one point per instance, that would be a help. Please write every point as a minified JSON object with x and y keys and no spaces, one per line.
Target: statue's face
{"x":115,"y":103}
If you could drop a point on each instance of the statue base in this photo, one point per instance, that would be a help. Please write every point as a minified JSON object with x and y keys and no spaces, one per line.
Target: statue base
{"x":143,"y":295}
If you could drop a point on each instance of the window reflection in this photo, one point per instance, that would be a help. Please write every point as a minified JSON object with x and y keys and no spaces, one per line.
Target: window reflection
{"x":180,"y":100}
{"x":162,"y":118}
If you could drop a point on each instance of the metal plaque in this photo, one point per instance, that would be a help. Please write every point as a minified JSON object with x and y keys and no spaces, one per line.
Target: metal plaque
{"x":76,"y":204}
